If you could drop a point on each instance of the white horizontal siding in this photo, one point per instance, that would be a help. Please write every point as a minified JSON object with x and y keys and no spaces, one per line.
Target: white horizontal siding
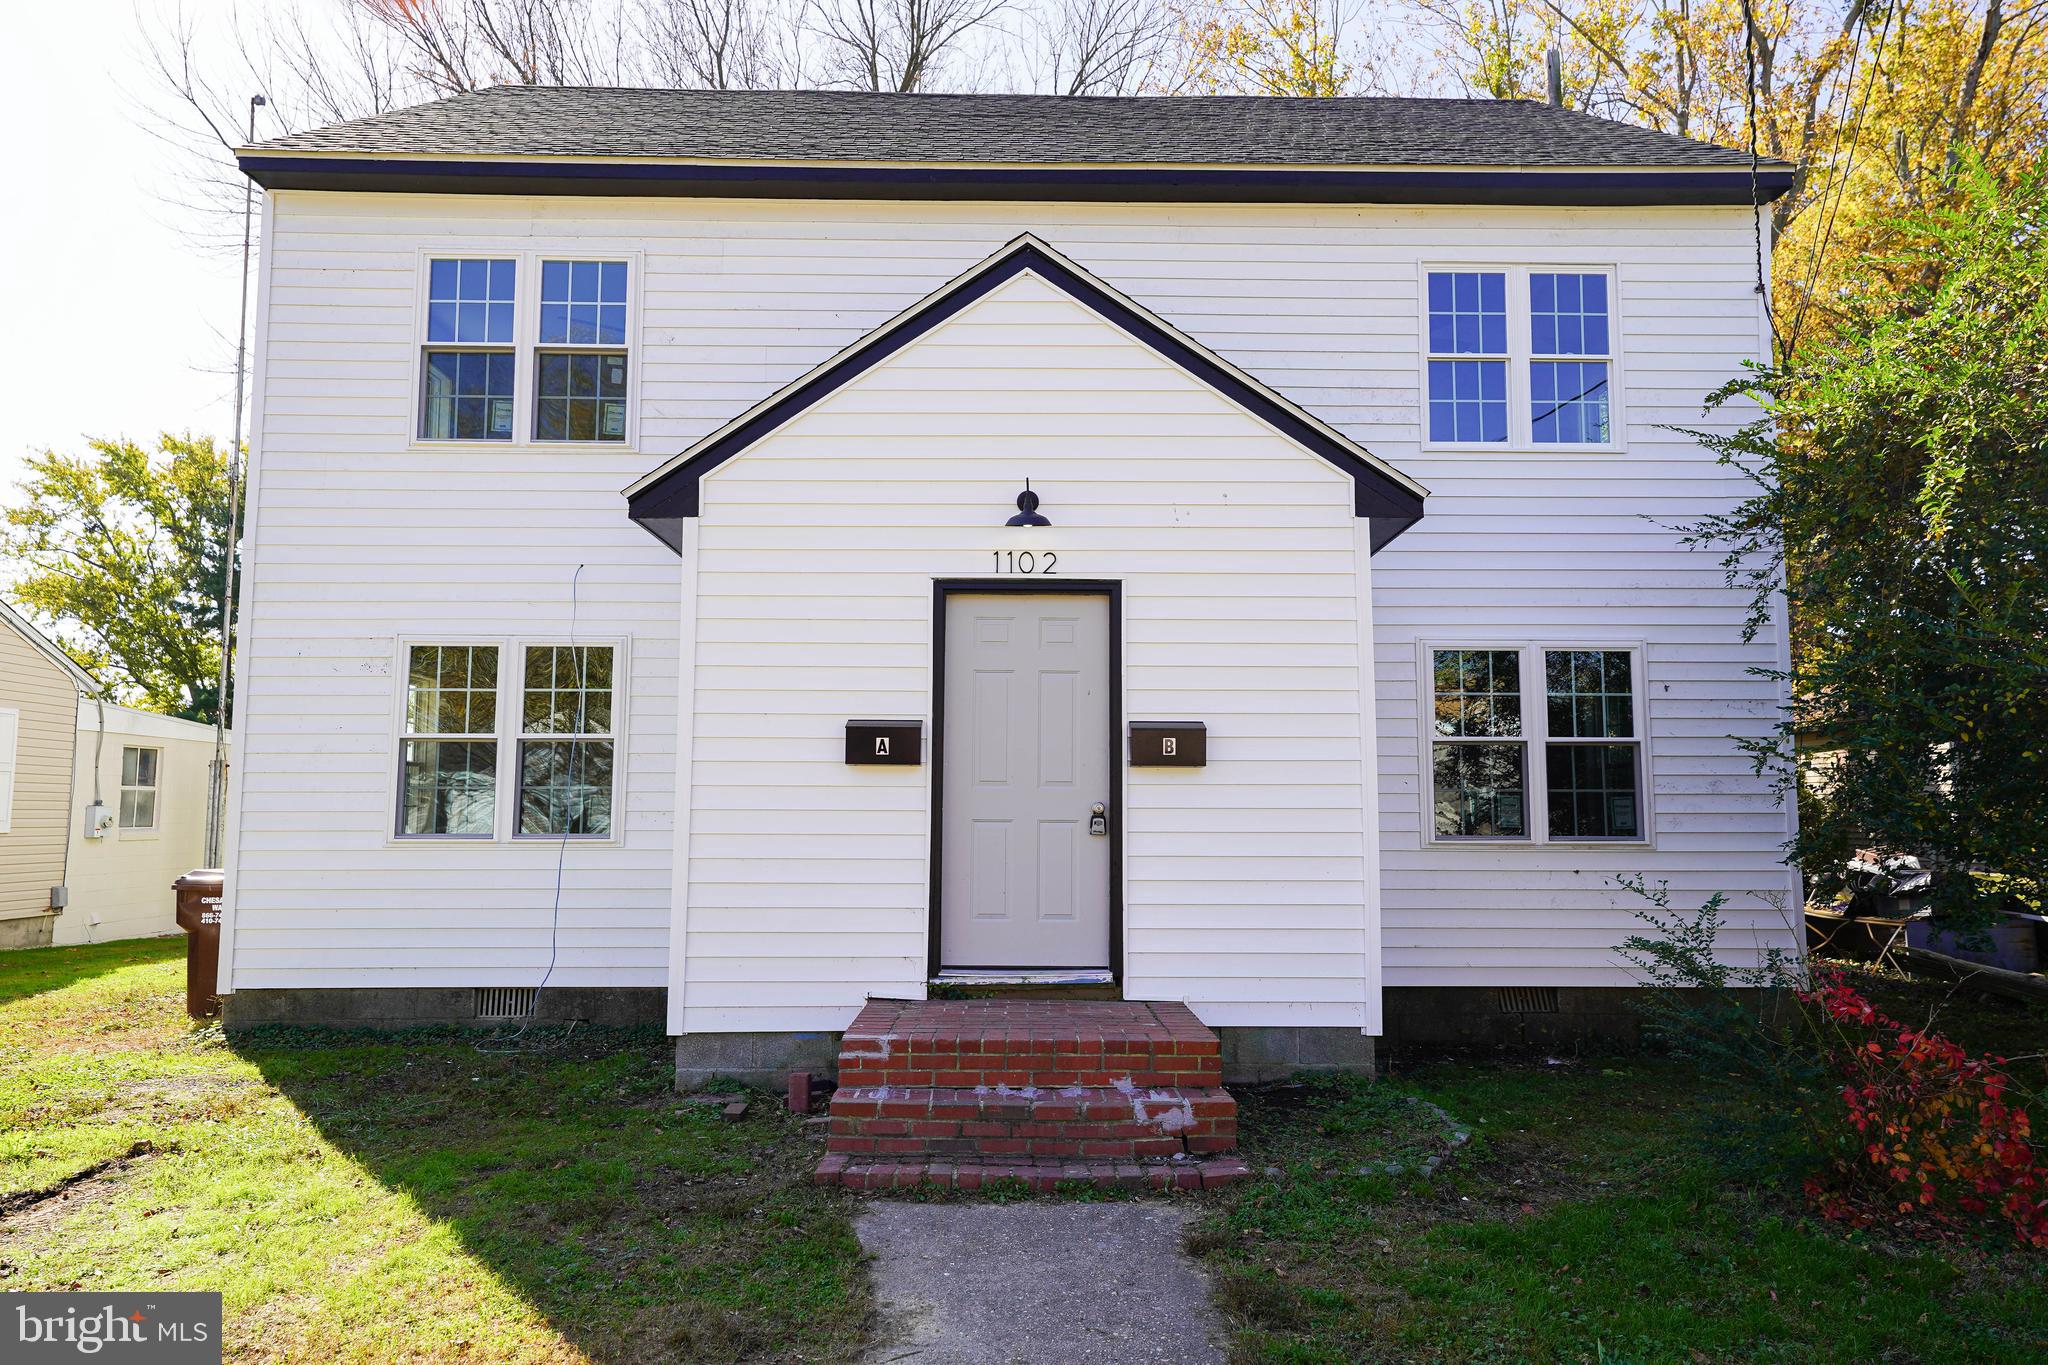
{"x":1239,"y":611}
{"x":364,"y":539}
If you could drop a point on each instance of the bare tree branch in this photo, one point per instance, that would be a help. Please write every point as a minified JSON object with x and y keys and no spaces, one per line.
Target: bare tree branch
{"x":894,"y":45}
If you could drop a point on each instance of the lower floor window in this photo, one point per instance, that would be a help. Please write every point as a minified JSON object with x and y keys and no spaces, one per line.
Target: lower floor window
{"x":560,"y":746}
{"x":1592,"y":791}
{"x":1479,"y":791}
{"x":1590,"y":759}
{"x":451,"y":786}
{"x":565,"y":786}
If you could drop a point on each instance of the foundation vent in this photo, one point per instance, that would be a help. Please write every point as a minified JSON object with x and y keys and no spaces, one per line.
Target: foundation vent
{"x":504,"y":1002}
{"x":1525,"y":999}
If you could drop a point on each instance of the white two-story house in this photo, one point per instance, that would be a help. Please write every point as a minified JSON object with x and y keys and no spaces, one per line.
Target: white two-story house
{"x":646,"y":604}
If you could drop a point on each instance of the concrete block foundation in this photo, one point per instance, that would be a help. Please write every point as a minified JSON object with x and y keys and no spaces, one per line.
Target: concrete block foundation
{"x":401,"y":1007}
{"x":27,"y":931}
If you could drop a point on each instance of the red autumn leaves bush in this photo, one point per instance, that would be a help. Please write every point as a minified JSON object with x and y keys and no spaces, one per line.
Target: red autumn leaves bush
{"x":1935,"y":1138}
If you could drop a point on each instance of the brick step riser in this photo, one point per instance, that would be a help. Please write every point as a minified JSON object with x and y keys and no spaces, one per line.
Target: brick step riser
{"x":1050,"y":1075}
{"x":1211,"y":1138}
{"x":1039,"y":1175}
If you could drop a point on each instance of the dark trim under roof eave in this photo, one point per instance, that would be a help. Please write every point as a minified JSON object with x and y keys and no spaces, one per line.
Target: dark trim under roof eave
{"x":664,"y":503}
{"x":1124,"y":184}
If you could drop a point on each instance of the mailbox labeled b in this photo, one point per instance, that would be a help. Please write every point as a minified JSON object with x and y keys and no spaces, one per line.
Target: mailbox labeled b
{"x":1169,"y":744}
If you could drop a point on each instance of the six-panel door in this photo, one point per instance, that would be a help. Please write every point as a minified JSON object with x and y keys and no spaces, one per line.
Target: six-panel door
{"x":1027,"y":760}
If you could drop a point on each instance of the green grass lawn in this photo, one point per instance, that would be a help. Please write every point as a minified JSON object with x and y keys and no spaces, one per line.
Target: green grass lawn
{"x":403,"y":1197}
{"x":1599,"y":1212}
{"x":407,"y":1197}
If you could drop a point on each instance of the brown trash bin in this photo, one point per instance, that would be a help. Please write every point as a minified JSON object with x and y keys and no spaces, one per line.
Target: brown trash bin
{"x":199,"y":895}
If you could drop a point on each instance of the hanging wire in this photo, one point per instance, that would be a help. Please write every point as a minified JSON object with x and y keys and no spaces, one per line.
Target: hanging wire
{"x":1756,"y":200}
{"x":515,"y":1042}
{"x":1841,"y":187}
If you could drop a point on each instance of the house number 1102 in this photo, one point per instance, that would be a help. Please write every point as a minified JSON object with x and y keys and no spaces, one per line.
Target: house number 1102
{"x":1023,"y":561}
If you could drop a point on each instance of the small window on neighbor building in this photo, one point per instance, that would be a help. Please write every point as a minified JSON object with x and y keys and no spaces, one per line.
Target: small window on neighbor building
{"x":582,"y":365}
{"x":139,"y":787}
{"x":466,"y":388}
{"x":448,"y":783}
{"x":566,"y":742}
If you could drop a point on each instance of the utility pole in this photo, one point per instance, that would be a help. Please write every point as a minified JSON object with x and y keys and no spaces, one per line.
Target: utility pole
{"x":217,"y":771}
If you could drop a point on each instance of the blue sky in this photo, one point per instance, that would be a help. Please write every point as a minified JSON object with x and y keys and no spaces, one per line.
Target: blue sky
{"x":118,"y":323}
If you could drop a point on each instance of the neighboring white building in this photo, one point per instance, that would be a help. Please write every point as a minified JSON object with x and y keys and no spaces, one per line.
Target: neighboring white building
{"x":1353,"y":424}
{"x":86,"y":859}
{"x":150,"y":774}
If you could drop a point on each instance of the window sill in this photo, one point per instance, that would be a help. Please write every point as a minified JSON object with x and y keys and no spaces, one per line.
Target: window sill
{"x":622,"y":447}
{"x":1504,"y":448}
{"x":504,"y":840}
{"x":1479,"y":841}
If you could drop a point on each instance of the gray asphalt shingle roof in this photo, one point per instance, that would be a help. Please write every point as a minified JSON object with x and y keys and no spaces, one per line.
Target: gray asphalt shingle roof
{"x":835,"y":126}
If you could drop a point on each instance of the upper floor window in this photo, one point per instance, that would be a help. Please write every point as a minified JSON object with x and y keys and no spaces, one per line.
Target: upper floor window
{"x":1468,"y":356}
{"x":580,"y":368}
{"x":1519,"y":356}
{"x":467,"y":390}
{"x":1568,"y":398}
{"x":138,"y":787}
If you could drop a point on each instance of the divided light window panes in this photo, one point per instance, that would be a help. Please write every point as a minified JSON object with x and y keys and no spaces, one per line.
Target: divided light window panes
{"x":1468,"y":356}
{"x":1593,"y":759}
{"x":1520,"y":357}
{"x":1580,"y":742}
{"x":1568,"y":398}
{"x":566,"y":742}
{"x":466,"y":388}
{"x":1478,"y":757}
{"x":448,"y":782}
{"x":582,"y":365}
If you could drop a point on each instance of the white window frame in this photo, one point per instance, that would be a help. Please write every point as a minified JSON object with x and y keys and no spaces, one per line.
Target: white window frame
{"x":421,"y":313}
{"x":155,"y":789}
{"x":407,"y":735}
{"x":631,"y":350}
{"x":1535,"y":740}
{"x":511,"y":720}
{"x":522,"y":737}
{"x":1520,"y":356}
{"x":526,"y":256}
{"x":10,"y":760}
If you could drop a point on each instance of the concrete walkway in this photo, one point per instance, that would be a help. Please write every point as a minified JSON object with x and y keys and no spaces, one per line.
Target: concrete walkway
{"x":1037,"y":1284}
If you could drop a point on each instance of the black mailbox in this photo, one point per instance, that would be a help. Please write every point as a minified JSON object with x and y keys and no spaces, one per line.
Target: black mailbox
{"x":894,"y":742}
{"x":1169,"y":744}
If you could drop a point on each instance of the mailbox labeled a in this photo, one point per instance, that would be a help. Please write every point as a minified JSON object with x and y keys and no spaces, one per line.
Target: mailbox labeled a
{"x":893,"y":743}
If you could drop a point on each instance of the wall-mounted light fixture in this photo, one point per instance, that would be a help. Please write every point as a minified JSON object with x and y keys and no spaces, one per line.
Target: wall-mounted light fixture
{"x":1027,"y":509}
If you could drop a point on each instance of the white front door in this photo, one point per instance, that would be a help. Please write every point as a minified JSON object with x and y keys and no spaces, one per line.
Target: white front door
{"x":1027,"y":766}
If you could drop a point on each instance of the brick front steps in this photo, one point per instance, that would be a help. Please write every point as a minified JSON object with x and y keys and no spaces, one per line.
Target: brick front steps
{"x":1042,"y":1175}
{"x":963,"y":1093}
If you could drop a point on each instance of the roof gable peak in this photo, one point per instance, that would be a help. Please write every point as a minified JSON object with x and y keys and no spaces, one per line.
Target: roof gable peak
{"x":664,"y":498}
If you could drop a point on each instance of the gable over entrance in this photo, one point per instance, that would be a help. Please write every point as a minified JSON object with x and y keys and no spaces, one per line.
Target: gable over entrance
{"x":1388,"y":499}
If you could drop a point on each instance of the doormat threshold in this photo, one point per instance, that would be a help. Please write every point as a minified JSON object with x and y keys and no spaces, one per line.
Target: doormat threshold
{"x":1064,"y":976}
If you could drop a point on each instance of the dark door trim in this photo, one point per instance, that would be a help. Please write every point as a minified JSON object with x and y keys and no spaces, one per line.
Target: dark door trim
{"x":1109,"y":588}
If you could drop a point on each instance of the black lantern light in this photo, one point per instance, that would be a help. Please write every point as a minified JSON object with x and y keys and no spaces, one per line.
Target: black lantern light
{"x":1027,"y":509}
